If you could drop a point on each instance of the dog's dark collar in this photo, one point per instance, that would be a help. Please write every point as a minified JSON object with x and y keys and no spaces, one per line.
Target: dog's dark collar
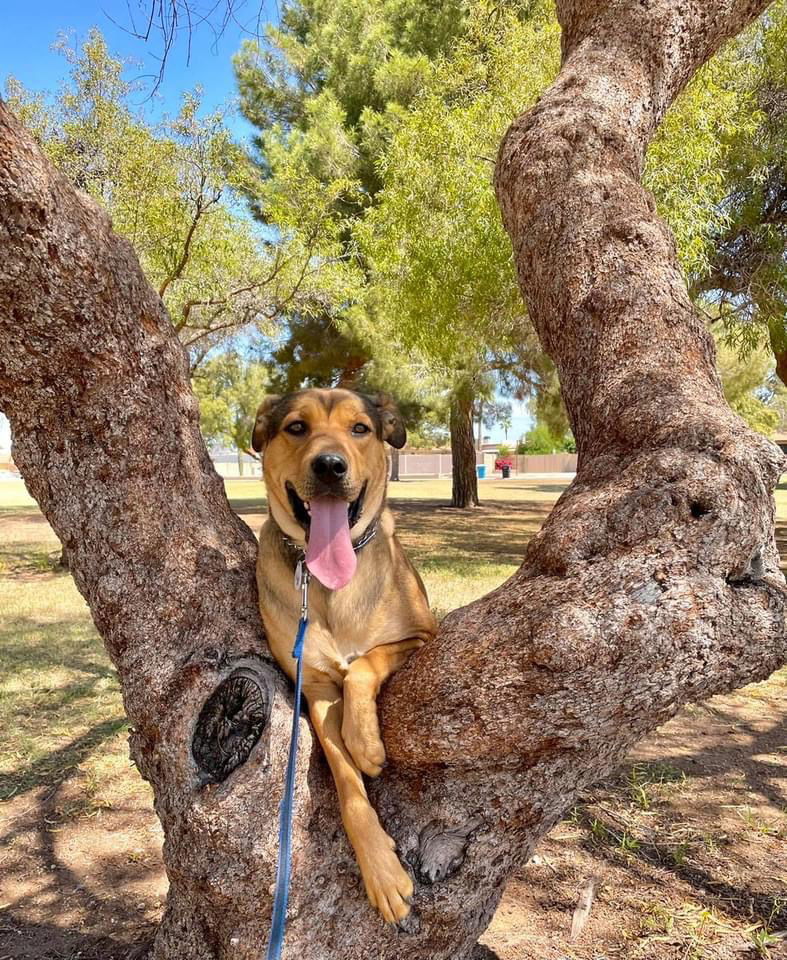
{"x":366,"y":537}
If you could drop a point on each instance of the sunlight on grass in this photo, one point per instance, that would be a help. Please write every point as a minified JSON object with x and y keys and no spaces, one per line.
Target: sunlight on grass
{"x":13,"y":493}
{"x":59,"y":697}
{"x":449,"y":589}
{"x":60,"y":704}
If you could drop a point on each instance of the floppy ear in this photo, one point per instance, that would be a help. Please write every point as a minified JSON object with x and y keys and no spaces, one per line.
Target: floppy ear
{"x":259,"y":435}
{"x":393,"y":428}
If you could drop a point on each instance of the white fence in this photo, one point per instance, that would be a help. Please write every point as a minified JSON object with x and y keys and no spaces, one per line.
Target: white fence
{"x":424,"y":465}
{"x":414,"y":465}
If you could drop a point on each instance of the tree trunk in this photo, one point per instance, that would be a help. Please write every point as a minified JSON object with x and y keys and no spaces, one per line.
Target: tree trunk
{"x":464,"y":485}
{"x":777,"y":337}
{"x":395,"y":454}
{"x":654,"y":582}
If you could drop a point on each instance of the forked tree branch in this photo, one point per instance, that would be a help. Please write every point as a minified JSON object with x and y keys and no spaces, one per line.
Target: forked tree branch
{"x":655,"y":580}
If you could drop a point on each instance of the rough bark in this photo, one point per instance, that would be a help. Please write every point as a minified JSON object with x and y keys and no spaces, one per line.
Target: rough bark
{"x":464,"y":483}
{"x":654,"y":582}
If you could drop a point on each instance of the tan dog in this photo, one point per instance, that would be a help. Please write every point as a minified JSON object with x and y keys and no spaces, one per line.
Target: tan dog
{"x":326,"y":474}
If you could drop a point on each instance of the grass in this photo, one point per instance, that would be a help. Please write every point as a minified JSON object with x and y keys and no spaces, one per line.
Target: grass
{"x":65,"y":733}
{"x":60,"y":705}
{"x":691,"y":928}
{"x":59,"y":697}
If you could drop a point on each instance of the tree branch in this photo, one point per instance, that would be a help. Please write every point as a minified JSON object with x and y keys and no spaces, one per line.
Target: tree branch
{"x":200,"y":208}
{"x":655,"y":580}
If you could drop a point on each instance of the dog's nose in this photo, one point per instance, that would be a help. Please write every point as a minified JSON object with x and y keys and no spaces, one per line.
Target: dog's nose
{"x":329,"y":467}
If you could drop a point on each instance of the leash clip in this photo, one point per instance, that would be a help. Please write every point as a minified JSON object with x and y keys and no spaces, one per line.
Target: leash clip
{"x":302,"y":577}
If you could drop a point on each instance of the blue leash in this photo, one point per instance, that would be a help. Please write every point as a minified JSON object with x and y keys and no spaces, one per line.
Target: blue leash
{"x":282,"y":892}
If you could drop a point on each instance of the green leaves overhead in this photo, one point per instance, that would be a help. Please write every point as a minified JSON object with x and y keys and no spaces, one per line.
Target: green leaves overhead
{"x":173,"y":189}
{"x":442,"y":266}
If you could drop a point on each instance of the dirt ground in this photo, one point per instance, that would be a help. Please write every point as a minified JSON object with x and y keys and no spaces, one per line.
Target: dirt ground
{"x":686,"y":848}
{"x":687,"y":845}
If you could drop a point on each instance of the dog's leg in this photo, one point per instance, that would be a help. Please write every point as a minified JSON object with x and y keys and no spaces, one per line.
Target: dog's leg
{"x":362,"y":683}
{"x":388,"y":885}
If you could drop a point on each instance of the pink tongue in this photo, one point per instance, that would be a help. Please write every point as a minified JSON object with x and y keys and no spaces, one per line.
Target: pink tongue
{"x":329,"y":554}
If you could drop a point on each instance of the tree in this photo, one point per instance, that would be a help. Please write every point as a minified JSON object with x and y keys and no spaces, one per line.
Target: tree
{"x":729,"y":206}
{"x":434,"y":240}
{"x":747,"y":389}
{"x":229,"y":390}
{"x":488,"y":412}
{"x":326,"y":90}
{"x":747,"y":272}
{"x":654,"y":582}
{"x":171,"y":189}
{"x":540,"y":440}
{"x":316,"y":355}
{"x":441,"y":270}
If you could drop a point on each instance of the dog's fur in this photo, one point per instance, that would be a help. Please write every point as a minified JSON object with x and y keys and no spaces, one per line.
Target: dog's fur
{"x":358,"y":635}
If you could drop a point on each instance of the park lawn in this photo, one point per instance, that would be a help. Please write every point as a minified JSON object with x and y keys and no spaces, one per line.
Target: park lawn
{"x":689,"y":839}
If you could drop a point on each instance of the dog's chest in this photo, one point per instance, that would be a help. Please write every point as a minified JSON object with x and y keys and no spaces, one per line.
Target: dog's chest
{"x":340,"y":630}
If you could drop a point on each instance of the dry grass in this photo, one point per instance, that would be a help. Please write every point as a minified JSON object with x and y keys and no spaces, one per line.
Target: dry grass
{"x":689,"y":840}
{"x":60,"y":704}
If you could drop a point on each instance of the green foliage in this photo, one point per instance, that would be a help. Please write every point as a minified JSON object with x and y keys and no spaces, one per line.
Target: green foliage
{"x":685,"y":161}
{"x":442,"y":266}
{"x":541,"y":440}
{"x":746,"y":387}
{"x":229,"y":391}
{"x":326,"y":89}
{"x":431,"y":432}
{"x":720,"y":177}
{"x":342,"y":70}
{"x":171,"y":189}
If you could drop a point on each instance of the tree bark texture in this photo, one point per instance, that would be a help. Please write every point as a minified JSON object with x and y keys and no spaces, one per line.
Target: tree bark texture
{"x":654,"y":582}
{"x":464,"y":483}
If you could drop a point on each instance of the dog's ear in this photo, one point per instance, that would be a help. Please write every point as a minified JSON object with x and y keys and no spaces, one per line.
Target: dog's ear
{"x":262,"y":422}
{"x":393,"y":427}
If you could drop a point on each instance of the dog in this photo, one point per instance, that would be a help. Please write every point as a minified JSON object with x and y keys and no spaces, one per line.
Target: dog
{"x":326,"y":475}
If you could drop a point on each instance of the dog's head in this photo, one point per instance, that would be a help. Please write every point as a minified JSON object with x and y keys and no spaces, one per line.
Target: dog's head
{"x":326,"y":471}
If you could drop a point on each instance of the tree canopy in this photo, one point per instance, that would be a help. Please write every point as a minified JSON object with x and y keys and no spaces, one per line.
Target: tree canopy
{"x":173,"y":189}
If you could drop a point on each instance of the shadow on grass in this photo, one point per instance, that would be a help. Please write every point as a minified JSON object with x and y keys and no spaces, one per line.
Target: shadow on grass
{"x":57,"y":765}
{"x":29,"y":558}
{"x":766,"y":908}
{"x":440,"y":537}
{"x":27,"y":643}
{"x":555,"y":488}
{"x":761,"y":900}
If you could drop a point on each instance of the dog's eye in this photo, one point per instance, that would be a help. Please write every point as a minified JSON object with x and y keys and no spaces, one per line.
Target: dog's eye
{"x":297,"y":428}
{"x":361,"y":428}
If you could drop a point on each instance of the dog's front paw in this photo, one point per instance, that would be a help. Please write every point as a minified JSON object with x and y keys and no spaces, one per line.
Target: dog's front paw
{"x":388,"y":885}
{"x":361,"y":735}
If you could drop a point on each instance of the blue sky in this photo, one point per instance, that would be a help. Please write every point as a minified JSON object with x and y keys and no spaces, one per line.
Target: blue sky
{"x":31,"y":28}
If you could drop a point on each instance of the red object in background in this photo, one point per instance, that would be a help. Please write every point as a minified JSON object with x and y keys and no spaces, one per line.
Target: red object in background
{"x":504,"y":462}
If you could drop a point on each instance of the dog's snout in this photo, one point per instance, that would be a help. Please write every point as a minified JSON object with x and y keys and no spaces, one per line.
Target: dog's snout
{"x":329,"y":467}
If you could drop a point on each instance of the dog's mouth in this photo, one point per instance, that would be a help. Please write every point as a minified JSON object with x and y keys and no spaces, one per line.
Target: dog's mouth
{"x":301,"y":509}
